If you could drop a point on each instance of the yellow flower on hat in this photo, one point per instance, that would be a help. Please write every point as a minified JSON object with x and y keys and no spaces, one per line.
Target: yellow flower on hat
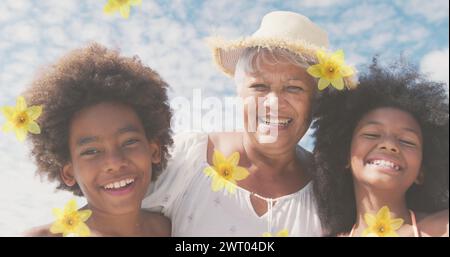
{"x":225,"y":171}
{"x":281,"y":233}
{"x":123,"y":6}
{"x":381,"y":225}
{"x":21,"y":118}
{"x":70,"y":221}
{"x":330,"y":70}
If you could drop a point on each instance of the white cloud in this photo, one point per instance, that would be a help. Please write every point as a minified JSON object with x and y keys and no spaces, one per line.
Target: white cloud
{"x":433,"y":10}
{"x":436,"y":65}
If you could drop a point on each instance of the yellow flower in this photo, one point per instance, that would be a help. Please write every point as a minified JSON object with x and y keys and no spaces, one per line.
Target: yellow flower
{"x":21,"y":119}
{"x":281,"y":233}
{"x":225,"y":172}
{"x":381,"y":225}
{"x":123,"y":6}
{"x":331,"y":69}
{"x":70,"y":221}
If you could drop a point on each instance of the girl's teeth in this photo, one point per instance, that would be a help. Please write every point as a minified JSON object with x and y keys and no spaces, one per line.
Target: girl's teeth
{"x":384,"y":163}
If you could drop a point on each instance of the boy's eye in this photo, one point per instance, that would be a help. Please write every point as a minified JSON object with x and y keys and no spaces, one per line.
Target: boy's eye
{"x":92,"y":151}
{"x":294,"y":89}
{"x":130,"y":142}
{"x":259,"y":87}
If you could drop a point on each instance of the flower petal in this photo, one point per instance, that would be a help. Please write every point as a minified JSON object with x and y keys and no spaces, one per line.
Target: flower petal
{"x":8,"y":112}
{"x":338,"y":56}
{"x":218,"y":158}
{"x":57,"y":228}
{"x":267,"y":234}
{"x":323,"y":83}
{"x":370,"y":219}
{"x":34,"y":112}
{"x":322,"y":56}
{"x":391,"y":234}
{"x":346,"y":71}
{"x":230,"y":187}
{"x":283,"y":233}
{"x":71,"y":206}
{"x":315,"y":71}
{"x":233,"y":159}
{"x":84,"y":214}
{"x":34,"y":128}
{"x":240,"y":173}
{"x":209,"y":171}
{"x":125,"y":11}
{"x":396,"y":223}
{"x":383,"y":214}
{"x":58,"y":213}
{"x":21,"y":105}
{"x":135,"y":2}
{"x":7,"y":127}
{"x":338,"y":83}
{"x":21,"y":134}
{"x":217,"y":183}
{"x":82,"y":230}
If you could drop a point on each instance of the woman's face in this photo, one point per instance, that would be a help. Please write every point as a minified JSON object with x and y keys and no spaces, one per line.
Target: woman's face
{"x":111,"y":158}
{"x":281,"y":114}
{"x":386,"y":150}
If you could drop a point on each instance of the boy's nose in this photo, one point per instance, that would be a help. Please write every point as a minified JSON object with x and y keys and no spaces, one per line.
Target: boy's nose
{"x":389,"y":145}
{"x":115,"y":161}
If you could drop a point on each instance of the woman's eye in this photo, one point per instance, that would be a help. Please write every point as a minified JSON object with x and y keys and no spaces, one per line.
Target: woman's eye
{"x":294,"y":89}
{"x":259,"y":87}
{"x":90,"y":152}
{"x":130,"y":142}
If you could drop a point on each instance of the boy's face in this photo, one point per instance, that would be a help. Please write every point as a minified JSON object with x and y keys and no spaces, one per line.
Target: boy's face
{"x":386,"y":150}
{"x":111,"y":158}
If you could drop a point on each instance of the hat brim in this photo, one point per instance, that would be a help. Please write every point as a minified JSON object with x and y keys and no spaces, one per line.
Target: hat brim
{"x":226,"y":53}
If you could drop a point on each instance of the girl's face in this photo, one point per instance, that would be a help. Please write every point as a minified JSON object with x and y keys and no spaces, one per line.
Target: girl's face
{"x":286,"y":87}
{"x":386,"y":150}
{"x":111,"y":158}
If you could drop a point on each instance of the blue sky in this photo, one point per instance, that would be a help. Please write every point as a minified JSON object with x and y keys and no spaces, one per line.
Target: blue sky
{"x":169,"y":37}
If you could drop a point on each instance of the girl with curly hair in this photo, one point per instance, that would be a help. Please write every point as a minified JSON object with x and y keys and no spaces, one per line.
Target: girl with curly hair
{"x":105,"y":136}
{"x":383,"y":148}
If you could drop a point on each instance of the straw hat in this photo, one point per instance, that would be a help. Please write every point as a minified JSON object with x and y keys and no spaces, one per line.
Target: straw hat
{"x":280,"y":29}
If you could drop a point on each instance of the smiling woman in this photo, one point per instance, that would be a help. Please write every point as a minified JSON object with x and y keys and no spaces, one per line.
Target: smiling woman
{"x":105,"y":135}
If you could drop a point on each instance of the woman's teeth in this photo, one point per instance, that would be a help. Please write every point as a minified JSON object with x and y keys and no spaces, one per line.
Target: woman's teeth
{"x":119,"y":184}
{"x":276,"y":122}
{"x":383,"y":163}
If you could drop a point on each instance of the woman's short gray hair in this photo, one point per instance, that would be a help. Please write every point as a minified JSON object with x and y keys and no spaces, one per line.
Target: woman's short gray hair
{"x":252,"y":58}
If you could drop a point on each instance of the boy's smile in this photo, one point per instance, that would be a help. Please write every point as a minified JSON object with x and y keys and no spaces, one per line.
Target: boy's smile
{"x":111,"y":157}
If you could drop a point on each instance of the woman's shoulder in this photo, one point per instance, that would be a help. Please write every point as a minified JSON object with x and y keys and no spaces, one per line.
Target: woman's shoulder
{"x":39,"y":231}
{"x":157,"y":224}
{"x":435,"y":224}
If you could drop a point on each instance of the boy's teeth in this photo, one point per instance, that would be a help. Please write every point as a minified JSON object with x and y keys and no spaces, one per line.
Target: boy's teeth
{"x":119,"y":184}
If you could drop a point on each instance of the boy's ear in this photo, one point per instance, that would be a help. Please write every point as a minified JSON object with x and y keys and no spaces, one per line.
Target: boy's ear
{"x":420,"y":178}
{"x":155,"y":152}
{"x":67,"y":175}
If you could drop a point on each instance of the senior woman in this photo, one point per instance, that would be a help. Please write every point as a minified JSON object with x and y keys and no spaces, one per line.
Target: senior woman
{"x":263,"y":188}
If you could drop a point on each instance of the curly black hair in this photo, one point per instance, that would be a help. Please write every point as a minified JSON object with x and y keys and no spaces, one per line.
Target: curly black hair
{"x":85,"y":77}
{"x":402,"y":86}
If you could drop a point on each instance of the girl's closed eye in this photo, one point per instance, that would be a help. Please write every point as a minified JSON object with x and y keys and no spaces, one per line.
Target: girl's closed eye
{"x":370,"y":135}
{"x":407,"y":142}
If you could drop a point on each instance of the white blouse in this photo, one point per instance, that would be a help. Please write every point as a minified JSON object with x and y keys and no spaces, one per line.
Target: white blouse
{"x":183,"y":193}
